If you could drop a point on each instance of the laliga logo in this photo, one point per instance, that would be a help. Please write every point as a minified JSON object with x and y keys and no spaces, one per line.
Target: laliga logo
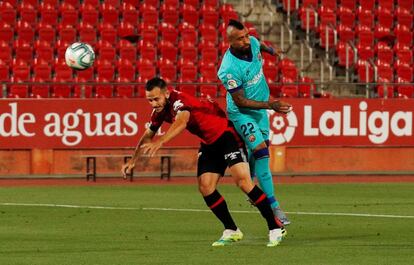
{"x":282,"y":128}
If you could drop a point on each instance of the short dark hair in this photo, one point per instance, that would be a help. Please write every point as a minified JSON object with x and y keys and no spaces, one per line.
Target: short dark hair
{"x":155,"y":82}
{"x":235,"y":23}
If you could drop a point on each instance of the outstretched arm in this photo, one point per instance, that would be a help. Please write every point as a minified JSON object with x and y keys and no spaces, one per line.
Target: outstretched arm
{"x":179,"y":125}
{"x":241,"y":101}
{"x":145,"y":138}
{"x":269,"y":49}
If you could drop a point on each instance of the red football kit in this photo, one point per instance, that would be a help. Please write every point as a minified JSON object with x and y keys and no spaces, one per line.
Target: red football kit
{"x":207,"y":120}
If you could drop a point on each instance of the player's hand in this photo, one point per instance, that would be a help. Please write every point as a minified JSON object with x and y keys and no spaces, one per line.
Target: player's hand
{"x":151,"y":148}
{"x":127,"y":167}
{"x":281,"y":106}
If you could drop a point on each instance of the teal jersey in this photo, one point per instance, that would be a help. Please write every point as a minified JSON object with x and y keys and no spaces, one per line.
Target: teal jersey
{"x":236,"y":73}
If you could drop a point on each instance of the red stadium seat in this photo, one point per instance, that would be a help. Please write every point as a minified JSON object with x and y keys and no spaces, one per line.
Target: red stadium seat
{"x":107,"y":52}
{"x":168,"y":33}
{"x":90,"y":15}
{"x":127,"y":51}
{"x":63,"y":74}
{"x":148,"y":33}
{"x":87,"y":33}
{"x":53,"y":3}
{"x":48,"y":14}
{"x":169,"y":14}
{"x":168,"y":71}
{"x":367,"y":4}
{"x":270,"y":70}
{"x":329,"y":4}
{"x":8,"y":13}
{"x":404,"y":91}
{"x":389,"y":91}
{"x":385,"y":17}
{"x":108,"y":33}
{"x":124,"y":90}
{"x":86,"y":75}
{"x":25,"y":31}
{"x":346,"y":16}
{"x":42,"y":70}
{"x":306,"y":87}
{"x":365,"y":74}
{"x":365,"y":36}
{"x":129,"y":13}
{"x":404,"y":35}
{"x":23,"y":51}
{"x":149,"y":14}
{"x":126,"y":29}
{"x":67,"y":33}
{"x":404,"y":55}
{"x":82,"y":90}
{"x":147,"y":50}
{"x":366,"y":17}
{"x":188,"y":52}
{"x":6,"y":33}
{"x":109,"y":13}
{"x":44,"y":52}
{"x":386,"y":3}
{"x":209,"y":53}
{"x":21,"y":70}
{"x":145,"y":69}
{"x":46,"y":32}
{"x":61,"y":47}
{"x":105,"y":70}
{"x":6,"y":52}
{"x":4,"y":72}
{"x":208,"y":70}
{"x":68,"y":14}
{"x":404,"y":17}
{"x":346,"y":33}
{"x":188,"y":33}
{"x":404,"y":72}
{"x":288,"y":88}
{"x":188,"y":71}
{"x":187,"y":87}
{"x":288,"y":69}
{"x":39,"y":90}
{"x":341,"y":52}
{"x":209,"y":15}
{"x":168,"y":50}
{"x":351,"y":4}
{"x":193,"y":3}
{"x":28,"y":13}
{"x":407,"y":4}
{"x":103,"y":90}
{"x":74,"y":3}
{"x":135,"y":3}
{"x":208,"y":88}
{"x":208,"y":33}
{"x":114,"y":3}
{"x":126,"y":70}
{"x":384,"y":52}
{"x":17,"y":90}
{"x":190,"y":15}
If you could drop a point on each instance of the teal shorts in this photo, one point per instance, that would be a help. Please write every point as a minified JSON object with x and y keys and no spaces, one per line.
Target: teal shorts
{"x":252,"y":129}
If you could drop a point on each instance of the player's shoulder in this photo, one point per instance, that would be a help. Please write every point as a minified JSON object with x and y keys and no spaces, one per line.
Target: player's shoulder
{"x":228,"y":63}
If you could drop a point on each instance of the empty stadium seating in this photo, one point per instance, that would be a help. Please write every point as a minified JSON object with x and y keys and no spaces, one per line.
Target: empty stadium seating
{"x":179,"y":41}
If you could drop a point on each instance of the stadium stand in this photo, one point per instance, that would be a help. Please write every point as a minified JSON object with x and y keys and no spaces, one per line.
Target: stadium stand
{"x":380,"y":31}
{"x":172,"y":33}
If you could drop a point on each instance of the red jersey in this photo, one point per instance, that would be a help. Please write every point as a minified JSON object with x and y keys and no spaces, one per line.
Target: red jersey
{"x":207,"y":120}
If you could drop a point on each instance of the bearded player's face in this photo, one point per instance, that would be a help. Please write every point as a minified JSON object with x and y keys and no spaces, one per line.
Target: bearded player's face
{"x":240,"y":40}
{"x":157,"y":98}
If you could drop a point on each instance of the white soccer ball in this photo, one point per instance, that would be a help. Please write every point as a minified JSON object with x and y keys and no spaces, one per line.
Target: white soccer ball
{"x":79,"y":56}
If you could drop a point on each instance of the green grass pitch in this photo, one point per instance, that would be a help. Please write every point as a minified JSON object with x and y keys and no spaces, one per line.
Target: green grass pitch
{"x":130,"y":233}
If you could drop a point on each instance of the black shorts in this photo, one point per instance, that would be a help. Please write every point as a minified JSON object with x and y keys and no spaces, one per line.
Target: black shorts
{"x":226,"y":151}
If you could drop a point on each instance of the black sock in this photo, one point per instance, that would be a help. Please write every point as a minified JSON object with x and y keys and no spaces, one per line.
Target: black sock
{"x":261,"y":202}
{"x":218,"y":206}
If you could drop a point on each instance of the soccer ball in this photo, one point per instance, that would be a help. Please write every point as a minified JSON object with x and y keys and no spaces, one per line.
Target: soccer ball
{"x":79,"y":56}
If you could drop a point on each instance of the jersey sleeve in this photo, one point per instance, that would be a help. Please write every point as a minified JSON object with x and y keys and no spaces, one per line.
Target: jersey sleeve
{"x":156,"y":122}
{"x":230,"y":79}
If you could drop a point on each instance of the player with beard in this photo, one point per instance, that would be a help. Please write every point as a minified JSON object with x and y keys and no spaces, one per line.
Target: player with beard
{"x":247,"y":101}
{"x":220,"y":147}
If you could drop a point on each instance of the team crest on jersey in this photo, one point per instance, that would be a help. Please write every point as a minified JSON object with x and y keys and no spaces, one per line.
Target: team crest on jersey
{"x":232,"y":83}
{"x":177,"y":104}
{"x":252,"y":138}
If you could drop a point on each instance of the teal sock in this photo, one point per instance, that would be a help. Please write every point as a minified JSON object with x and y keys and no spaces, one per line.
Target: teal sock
{"x":265,"y":179}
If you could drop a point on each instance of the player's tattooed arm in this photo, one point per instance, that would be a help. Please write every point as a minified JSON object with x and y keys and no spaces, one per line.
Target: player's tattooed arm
{"x":241,"y":101}
{"x":270,"y":50}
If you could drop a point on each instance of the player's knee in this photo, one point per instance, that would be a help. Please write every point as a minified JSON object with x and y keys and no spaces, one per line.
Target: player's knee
{"x":244,"y":183}
{"x":261,"y":153}
{"x":206,"y":187}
